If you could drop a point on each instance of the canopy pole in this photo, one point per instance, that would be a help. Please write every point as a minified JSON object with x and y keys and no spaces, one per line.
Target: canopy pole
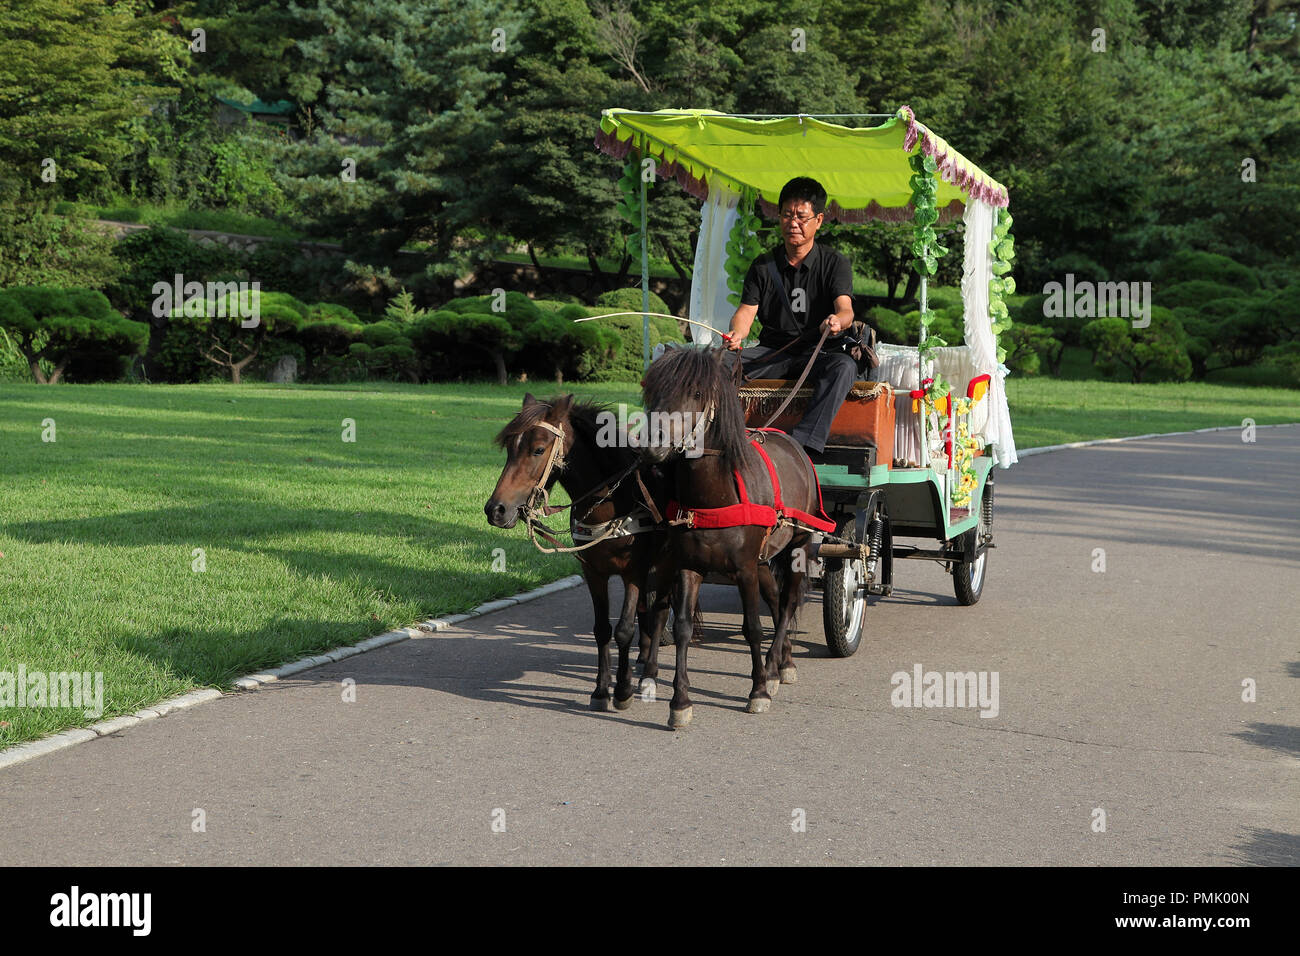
{"x":920,"y":379}
{"x":645,"y":283}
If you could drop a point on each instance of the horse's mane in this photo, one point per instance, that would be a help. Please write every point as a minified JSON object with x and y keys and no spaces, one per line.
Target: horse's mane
{"x":674,"y":379}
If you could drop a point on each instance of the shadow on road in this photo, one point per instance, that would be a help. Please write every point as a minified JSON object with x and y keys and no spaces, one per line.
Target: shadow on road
{"x":1269,"y":848}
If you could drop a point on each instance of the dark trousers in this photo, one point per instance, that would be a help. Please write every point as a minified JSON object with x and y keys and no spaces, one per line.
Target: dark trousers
{"x":831,"y":377}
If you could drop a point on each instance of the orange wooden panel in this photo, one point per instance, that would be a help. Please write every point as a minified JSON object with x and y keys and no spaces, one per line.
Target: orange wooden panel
{"x":860,"y":421}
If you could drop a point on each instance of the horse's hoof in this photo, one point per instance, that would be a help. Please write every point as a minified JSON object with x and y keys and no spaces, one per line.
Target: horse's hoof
{"x":788,"y":675}
{"x":772,"y":686}
{"x":624,"y":704}
{"x":758,"y":705}
{"x":677,"y":719}
{"x":648,"y":689}
{"x":600,"y":703}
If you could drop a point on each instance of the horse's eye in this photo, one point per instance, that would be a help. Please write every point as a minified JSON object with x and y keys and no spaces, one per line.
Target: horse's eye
{"x":538,"y":450}
{"x":697,"y":396}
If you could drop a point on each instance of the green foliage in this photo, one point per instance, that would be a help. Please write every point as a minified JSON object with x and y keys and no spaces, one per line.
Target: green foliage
{"x":14,"y":366}
{"x":1152,"y":354}
{"x":40,"y":248}
{"x":280,"y":264}
{"x":627,"y":362}
{"x":889,"y":324}
{"x":66,"y":325}
{"x":157,"y":254}
{"x":386,"y":351}
{"x":1002,"y":283}
{"x":65,"y":65}
{"x":244,"y":175}
{"x":451,"y":342}
{"x":402,"y":309}
{"x":1189,"y":266}
{"x":944,"y":327}
{"x":1028,"y":346}
{"x":324,"y":338}
{"x":1193,"y":293}
{"x":398,"y":132}
{"x":629,"y":206}
{"x":467,"y":335}
{"x":564,"y":349}
{"x":748,"y":240}
{"x":219,"y":326}
{"x":629,"y":300}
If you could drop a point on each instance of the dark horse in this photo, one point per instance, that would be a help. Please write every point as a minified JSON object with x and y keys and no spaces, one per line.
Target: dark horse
{"x":573,"y":439}
{"x":689,"y":392}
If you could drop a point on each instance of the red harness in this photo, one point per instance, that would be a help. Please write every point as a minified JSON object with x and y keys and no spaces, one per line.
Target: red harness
{"x":748,"y":512}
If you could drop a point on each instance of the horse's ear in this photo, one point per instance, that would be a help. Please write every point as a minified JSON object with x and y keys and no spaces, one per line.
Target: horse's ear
{"x":528,"y":399}
{"x":563,"y":405}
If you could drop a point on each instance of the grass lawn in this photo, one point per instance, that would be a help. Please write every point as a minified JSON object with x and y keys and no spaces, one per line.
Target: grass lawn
{"x":309,"y":541}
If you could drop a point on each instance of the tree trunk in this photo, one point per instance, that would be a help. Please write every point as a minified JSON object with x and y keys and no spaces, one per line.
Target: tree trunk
{"x":913,"y":283}
{"x":237,"y":367}
{"x":1054,"y":359}
{"x":596,"y":272}
{"x":677,"y":266}
{"x":500,"y":362}
{"x":541,"y":273}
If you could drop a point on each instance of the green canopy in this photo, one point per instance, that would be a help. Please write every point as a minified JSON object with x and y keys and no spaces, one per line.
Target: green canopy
{"x":865,"y":170}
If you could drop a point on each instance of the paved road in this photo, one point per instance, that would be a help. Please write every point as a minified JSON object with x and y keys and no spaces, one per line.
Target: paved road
{"x":1119,"y":690}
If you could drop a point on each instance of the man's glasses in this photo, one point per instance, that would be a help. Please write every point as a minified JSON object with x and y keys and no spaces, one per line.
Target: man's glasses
{"x":791,"y":217}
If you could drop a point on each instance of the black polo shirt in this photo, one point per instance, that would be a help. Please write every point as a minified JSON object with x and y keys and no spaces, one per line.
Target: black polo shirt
{"x":824,"y":275}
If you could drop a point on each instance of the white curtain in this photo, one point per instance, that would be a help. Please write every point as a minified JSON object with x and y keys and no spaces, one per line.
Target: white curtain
{"x":976,"y":272}
{"x":898,"y":367}
{"x":709,"y":279}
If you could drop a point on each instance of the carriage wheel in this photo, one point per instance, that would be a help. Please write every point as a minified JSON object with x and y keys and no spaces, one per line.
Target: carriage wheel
{"x":844,"y":598}
{"x":968,"y":576}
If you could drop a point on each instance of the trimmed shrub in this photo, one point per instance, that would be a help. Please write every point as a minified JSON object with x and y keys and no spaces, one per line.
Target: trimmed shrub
{"x":626,"y":365}
{"x":1188,"y":266}
{"x":157,"y":254}
{"x":629,"y":300}
{"x":63,"y":326}
{"x":1193,"y":293}
{"x":1152,"y":354}
{"x":888,"y":324}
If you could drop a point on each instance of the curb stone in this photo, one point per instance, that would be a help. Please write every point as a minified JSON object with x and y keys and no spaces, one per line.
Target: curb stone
{"x":68,"y":738}
{"x":1043,"y":449}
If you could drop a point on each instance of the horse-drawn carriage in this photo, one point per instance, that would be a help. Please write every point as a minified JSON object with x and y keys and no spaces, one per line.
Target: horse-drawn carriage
{"x":911,"y":450}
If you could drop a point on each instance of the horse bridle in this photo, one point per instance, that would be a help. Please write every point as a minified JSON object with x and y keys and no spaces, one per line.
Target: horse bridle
{"x":556,"y":457}
{"x":547,"y":509}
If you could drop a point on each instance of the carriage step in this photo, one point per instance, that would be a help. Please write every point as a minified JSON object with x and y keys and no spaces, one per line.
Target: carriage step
{"x":928,"y":554}
{"x":858,"y":459}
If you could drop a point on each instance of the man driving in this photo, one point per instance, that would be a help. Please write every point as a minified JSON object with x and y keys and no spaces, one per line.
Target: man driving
{"x":796,"y":290}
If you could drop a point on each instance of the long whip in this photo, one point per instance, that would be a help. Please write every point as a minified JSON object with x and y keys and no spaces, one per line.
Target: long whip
{"x":660,"y":315}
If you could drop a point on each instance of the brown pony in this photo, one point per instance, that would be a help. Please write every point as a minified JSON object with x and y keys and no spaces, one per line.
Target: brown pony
{"x":588,"y":468}
{"x":689,"y":393}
